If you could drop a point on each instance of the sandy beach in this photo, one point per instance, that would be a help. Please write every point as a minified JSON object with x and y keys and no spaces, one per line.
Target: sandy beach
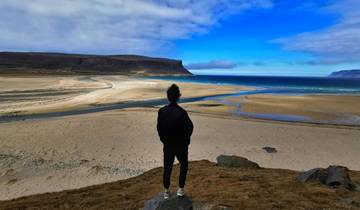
{"x":30,"y":95}
{"x":318,"y":107}
{"x":70,"y":152}
{"x":54,"y":154}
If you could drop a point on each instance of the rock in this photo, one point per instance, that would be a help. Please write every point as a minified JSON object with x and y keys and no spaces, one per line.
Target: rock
{"x":269,"y":149}
{"x":235,"y":162}
{"x":338,"y":175}
{"x":315,"y":174}
{"x":331,"y":176}
{"x":173,"y":203}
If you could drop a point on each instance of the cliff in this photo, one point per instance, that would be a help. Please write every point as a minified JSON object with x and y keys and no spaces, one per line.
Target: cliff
{"x":69,"y":64}
{"x":355,"y":73}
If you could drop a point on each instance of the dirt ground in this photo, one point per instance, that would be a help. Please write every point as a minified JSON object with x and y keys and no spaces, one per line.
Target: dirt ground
{"x":209,"y":185}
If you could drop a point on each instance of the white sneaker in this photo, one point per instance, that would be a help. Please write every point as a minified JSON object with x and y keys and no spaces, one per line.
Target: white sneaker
{"x":180,"y":192}
{"x":166,"y":194}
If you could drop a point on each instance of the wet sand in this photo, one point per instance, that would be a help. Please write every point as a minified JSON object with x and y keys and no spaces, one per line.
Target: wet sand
{"x":324,"y":109}
{"x":318,"y":107}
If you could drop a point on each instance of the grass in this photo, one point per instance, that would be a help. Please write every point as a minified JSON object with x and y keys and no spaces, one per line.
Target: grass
{"x":207,"y":184}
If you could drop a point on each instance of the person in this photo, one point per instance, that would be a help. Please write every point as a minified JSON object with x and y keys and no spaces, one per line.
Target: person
{"x":175,"y":129}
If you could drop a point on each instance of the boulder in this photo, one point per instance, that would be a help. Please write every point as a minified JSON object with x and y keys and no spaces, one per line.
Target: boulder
{"x":173,"y":203}
{"x":338,"y":175}
{"x":315,"y":174}
{"x":235,"y":162}
{"x":269,"y":149}
{"x":331,"y":176}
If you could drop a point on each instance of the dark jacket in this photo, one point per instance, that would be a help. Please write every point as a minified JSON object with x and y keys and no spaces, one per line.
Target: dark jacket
{"x":174,"y":125}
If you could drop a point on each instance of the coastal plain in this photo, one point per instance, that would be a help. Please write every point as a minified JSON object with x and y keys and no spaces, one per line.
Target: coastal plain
{"x":67,"y":152}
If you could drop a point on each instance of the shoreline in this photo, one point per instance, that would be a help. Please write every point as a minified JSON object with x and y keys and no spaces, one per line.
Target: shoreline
{"x":129,"y":107}
{"x":100,"y":108}
{"x":159,"y":102}
{"x":100,"y":93}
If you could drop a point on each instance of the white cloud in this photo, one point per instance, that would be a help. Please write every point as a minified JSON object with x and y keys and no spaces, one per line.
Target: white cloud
{"x":110,"y":26}
{"x":336,"y":44}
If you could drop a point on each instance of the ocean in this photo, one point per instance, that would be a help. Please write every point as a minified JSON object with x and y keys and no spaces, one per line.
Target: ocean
{"x":281,"y":85}
{"x":285,"y":86}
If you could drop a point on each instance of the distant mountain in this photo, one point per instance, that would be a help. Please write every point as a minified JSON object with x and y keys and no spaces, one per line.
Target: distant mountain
{"x":355,"y":73}
{"x":72,"y":64}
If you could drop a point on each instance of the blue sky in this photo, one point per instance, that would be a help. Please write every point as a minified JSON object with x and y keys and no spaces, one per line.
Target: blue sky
{"x":240,"y":37}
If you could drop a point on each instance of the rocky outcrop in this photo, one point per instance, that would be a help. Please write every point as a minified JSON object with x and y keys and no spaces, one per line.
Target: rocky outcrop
{"x":56,"y":63}
{"x":332,"y":176}
{"x":173,"y":203}
{"x":355,"y":73}
{"x":235,"y":162}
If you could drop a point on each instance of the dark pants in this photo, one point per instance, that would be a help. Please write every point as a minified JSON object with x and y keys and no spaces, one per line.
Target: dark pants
{"x":181,"y":154}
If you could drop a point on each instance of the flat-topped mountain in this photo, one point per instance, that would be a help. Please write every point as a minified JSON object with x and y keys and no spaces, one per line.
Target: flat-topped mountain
{"x":69,"y":64}
{"x":355,"y":73}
